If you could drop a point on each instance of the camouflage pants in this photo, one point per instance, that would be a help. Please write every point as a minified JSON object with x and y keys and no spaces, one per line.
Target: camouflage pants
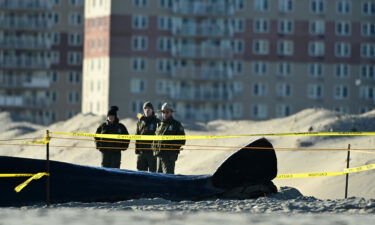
{"x":111,"y":158}
{"x":166,"y":163}
{"x":146,"y":162}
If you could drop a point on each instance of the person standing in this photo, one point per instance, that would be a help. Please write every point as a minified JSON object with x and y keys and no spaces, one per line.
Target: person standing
{"x":167,"y":151}
{"x":146,"y":125}
{"x":111,"y":148}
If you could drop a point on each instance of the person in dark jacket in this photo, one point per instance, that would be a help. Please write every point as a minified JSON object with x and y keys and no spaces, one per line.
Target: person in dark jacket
{"x":146,"y":125}
{"x":111,"y":148}
{"x":167,"y":151}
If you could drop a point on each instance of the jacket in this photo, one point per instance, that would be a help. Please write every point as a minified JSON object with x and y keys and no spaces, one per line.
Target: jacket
{"x":111,"y":128}
{"x":145,"y":126}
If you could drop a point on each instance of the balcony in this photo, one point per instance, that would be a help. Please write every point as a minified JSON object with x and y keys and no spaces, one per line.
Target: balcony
{"x":201,"y":73}
{"x":41,"y":5}
{"x":203,"y":30}
{"x":24,"y":24}
{"x":194,"y":51}
{"x":24,"y":63}
{"x":35,"y":82}
{"x":23,"y":102}
{"x":25,"y":43}
{"x":203,"y":8}
{"x":213,"y":94}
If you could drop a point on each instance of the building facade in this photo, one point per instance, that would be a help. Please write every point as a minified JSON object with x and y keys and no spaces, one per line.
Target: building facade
{"x":41,"y":47}
{"x":229,"y":59}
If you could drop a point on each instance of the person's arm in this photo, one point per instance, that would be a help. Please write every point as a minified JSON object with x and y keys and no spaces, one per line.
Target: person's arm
{"x":97,"y":140}
{"x":137,"y":132}
{"x":126,"y":141}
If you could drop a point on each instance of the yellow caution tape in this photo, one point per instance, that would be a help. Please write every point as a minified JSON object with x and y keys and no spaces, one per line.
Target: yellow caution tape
{"x":326,"y":174}
{"x":46,"y":140}
{"x":24,"y":184}
{"x":190,"y":137}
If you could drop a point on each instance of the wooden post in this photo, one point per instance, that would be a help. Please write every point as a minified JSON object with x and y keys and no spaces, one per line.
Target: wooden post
{"x":347,"y":175}
{"x":47,"y":170}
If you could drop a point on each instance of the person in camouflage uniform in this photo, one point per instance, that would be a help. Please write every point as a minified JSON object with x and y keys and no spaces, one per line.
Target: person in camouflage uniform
{"x":167,"y":151}
{"x":146,"y":125}
{"x":111,"y":151}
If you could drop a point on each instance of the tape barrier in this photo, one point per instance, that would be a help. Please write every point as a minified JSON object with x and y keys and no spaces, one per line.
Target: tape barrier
{"x":326,"y":174}
{"x":191,"y":137}
{"x":46,"y":140}
{"x":24,"y":184}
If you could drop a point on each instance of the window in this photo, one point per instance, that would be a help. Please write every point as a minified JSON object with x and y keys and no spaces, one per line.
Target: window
{"x":367,"y":93}
{"x":164,"y":65}
{"x":283,"y":110}
{"x":368,"y":8}
{"x":343,"y":28}
{"x":164,"y":44}
{"x":283,"y":69}
{"x":315,"y":70}
{"x":283,"y":90}
{"x":165,"y":23}
{"x":259,"y":68}
{"x":238,"y":25}
{"x":237,"y":46}
{"x":260,"y":47}
{"x":73,"y":97}
{"x":285,"y":48}
{"x":240,"y":4}
{"x":139,"y":64}
{"x":75,"y":19}
{"x":286,"y":5}
{"x":261,"y":5}
{"x":259,"y":111}
{"x":137,"y":86}
{"x":342,"y":70}
{"x":53,"y":75}
{"x":317,"y":6}
{"x":342,"y":109}
{"x":165,"y":4}
{"x":139,"y":43}
{"x":317,"y":27}
{"x":367,"y":71}
{"x":368,"y":50}
{"x":75,"y":39}
{"x":140,"y":3}
{"x":261,"y":26}
{"x":285,"y":26}
{"x":136,"y":107}
{"x":140,"y":22}
{"x":74,"y":58}
{"x":237,"y":110}
{"x":341,"y":91}
{"x":368,"y":29}
{"x":315,"y":91}
{"x":344,"y":7}
{"x":342,"y":49}
{"x":259,"y":89}
{"x":76,"y":2}
{"x":74,"y":77}
{"x":316,"y":48}
{"x":235,"y":66}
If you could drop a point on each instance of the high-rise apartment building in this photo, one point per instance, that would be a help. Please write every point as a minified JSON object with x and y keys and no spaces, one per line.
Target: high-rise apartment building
{"x":229,"y":59}
{"x":41,"y":47}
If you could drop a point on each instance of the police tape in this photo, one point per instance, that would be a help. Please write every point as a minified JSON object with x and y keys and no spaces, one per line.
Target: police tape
{"x":46,"y":140}
{"x":326,"y":174}
{"x":24,"y":184}
{"x":190,"y":137}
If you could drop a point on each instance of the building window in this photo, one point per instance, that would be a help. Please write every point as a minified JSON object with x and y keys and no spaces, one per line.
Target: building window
{"x":368,"y":8}
{"x":139,"y":43}
{"x":317,"y":6}
{"x":283,"y":110}
{"x":368,"y":29}
{"x":341,"y":92}
{"x":136,"y":107}
{"x":259,"y":89}
{"x":315,"y":70}
{"x":259,"y":111}
{"x":137,"y":86}
{"x":344,"y":7}
{"x":285,"y":48}
{"x":259,"y":68}
{"x":164,"y":65}
{"x":166,"y":4}
{"x":367,"y":71}
{"x":343,"y":28}
{"x":261,"y":5}
{"x":342,"y":49}
{"x":165,"y":23}
{"x":75,"y":39}
{"x":285,"y":27}
{"x":317,"y":27}
{"x":139,"y":64}
{"x":283,"y":90}
{"x":140,"y":22}
{"x":74,"y":58}
{"x":342,"y":109}
{"x":283,"y":69}
{"x":315,"y":91}
{"x":367,"y":93}
{"x":53,"y":75}
{"x":260,"y":47}
{"x":76,"y":2}
{"x":286,"y":5}
{"x":75,"y":19}
{"x":316,"y":48}
{"x":238,"y":46}
{"x":164,"y":44}
{"x":140,"y":3}
{"x":368,"y":50}
{"x":261,"y":26}
{"x":73,"y":97}
{"x":342,"y":70}
{"x":74,"y":77}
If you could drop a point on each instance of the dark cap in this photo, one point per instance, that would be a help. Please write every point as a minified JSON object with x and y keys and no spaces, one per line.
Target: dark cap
{"x":148,"y":104}
{"x":113,"y":111}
